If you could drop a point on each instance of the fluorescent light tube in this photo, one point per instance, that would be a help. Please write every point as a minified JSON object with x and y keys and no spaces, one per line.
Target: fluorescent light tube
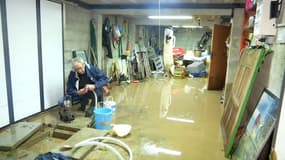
{"x":170,"y":17}
{"x":192,"y":27}
{"x":187,"y":26}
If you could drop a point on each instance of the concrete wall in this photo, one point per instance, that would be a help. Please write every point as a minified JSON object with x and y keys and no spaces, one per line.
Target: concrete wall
{"x":278,"y":66}
{"x":234,"y":50}
{"x":132,"y":31}
{"x":275,"y":86}
{"x":104,"y":62}
{"x":283,"y":16}
{"x":278,"y":59}
{"x":76,"y":36}
{"x":188,"y":38}
{"x":277,"y":69}
{"x":98,"y":20}
{"x":76,"y":32}
{"x":149,"y":36}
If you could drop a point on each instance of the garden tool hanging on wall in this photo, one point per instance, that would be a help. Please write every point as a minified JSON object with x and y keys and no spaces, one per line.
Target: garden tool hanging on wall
{"x":169,"y":44}
{"x":128,"y":48}
{"x":122,"y":63}
{"x":125,"y":59}
{"x":93,"y":45}
{"x":115,"y":72}
{"x":106,"y":41}
{"x":116,"y":35}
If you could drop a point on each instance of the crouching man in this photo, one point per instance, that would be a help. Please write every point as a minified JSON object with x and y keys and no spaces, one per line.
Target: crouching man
{"x":83,"y":79}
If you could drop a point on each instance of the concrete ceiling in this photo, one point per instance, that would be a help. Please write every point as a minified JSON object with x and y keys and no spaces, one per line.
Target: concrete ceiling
{"x":206,"y":10}
{"x":162,"y":7}
{"x":157,"y":1}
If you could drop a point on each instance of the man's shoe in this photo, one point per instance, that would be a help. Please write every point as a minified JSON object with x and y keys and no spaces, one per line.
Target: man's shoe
{"x":81,"y":108}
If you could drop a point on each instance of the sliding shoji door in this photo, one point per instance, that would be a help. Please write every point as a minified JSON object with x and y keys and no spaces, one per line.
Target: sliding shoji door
{"x":52,"y":52}
{"x":4,"y":114}
{"x":23,"y":49}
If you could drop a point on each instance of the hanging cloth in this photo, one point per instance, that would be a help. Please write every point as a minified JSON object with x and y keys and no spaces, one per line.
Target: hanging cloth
{"x":120,"y":49}
{"x":93,"y":46}
{"x":106,"y":40}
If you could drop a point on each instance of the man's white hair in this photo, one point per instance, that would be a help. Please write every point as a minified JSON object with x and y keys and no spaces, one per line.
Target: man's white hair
{"x":77,"y":60}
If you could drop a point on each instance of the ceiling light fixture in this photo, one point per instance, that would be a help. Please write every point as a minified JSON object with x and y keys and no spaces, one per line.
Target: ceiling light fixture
{"x":170,"y":17}
{"x":187,"y":26}
{"x":192,"y":26}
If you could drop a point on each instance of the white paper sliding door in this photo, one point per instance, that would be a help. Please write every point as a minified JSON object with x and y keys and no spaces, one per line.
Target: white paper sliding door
{"x":4,"y":114}
{"x":23,"y":49}
{"x":52,"y":52}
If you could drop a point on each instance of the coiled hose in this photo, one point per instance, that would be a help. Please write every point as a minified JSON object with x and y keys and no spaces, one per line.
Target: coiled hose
{"x":93,"y":141}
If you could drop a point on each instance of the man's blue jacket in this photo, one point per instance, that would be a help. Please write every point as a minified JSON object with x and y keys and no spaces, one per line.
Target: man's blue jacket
{"x":94,"y":73}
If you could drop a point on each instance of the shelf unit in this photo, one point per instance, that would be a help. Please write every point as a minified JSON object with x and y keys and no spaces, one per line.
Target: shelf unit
{"x":263,"y":24}
{"x":246,"y":30}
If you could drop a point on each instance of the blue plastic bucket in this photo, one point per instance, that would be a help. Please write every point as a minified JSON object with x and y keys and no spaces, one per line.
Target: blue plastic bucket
{"x":103,"y":118}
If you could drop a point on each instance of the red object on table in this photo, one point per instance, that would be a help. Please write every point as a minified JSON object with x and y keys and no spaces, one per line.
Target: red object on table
{"x":178,"y":51}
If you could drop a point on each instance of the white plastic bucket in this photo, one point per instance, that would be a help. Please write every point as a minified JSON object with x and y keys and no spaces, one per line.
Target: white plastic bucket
{"x":110,"y":103}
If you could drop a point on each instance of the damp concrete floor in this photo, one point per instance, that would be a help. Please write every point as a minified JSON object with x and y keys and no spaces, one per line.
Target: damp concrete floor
{"x":171,"y":119}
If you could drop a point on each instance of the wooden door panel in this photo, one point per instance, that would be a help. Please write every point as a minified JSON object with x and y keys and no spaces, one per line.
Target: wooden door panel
{"x":240,"y":94}
{"x":231,"y":121}
{"x":243,"y":83}
{"x":218,"y":65}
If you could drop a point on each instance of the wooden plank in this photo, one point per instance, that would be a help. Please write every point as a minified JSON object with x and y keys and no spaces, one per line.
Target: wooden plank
{"x":62,"y":126}
{"x":62,"y":134}
{"x":81,"y":135}
{"x":35,"y":138}
{"x":250,"y":63}
{"x":76,"y":124}
{"x":12,"y":137}
{"x":18,"y":155}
